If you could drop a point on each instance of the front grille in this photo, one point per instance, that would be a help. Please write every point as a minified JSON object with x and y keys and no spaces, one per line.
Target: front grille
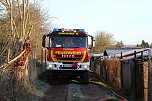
{"x":76,"y":57}
{"x":68,"y":59}
{"x":67,"y":62}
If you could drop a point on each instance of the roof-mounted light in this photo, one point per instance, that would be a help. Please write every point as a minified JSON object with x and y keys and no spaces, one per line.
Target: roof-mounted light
{"x":81,"y":30}
{"x":56,"y":29}
{"x":70,"y":30}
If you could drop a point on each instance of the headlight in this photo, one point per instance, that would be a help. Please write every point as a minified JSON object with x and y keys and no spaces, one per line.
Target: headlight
{"x":85,"y":66}
{"x":50,"y":66}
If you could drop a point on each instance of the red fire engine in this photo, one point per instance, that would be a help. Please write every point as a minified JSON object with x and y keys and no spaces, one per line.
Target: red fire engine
{"x":68,"y":53}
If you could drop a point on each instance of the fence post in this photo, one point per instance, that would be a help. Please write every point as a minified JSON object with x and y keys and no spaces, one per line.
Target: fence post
{"x":136,"y":75}
{"x":149,"y":76}
{"x":142,"y":76}
{"x":121,"y":69}
{"x":135,"y":72}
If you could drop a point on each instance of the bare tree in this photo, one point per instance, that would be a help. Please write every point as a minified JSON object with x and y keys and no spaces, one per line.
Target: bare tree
{"x":21,"y":21}
{"x":119,"y":44}
{"x":103,"y":41}
{"x":13,"y":34}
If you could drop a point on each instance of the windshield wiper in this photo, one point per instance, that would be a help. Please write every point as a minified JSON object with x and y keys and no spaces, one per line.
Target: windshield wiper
{"x":76,"y":47}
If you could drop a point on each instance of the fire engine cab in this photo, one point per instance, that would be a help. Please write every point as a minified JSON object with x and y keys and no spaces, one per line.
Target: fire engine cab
{"x":68,"y":53}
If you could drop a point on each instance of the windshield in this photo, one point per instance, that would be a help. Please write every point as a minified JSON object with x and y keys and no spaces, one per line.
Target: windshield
{"x":68,"y":42}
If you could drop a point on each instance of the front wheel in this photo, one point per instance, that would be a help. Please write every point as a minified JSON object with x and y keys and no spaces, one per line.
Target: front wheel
{"x":50,"y":77}
{"x":85,"y":77}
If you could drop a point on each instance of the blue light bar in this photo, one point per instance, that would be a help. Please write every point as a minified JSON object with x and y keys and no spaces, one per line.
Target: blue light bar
{"x":81,"y":30}
{"x":77,"y":30}
{"x":56,"y":29}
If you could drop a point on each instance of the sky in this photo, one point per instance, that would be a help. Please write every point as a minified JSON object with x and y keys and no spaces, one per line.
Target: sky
{"x":129,"y":21}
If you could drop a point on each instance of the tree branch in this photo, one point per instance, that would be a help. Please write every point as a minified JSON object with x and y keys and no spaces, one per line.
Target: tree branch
{"x":27,"y":14}
{"x":19,"y":7}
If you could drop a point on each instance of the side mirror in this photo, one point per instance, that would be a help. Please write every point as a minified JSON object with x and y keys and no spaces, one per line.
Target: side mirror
{"x":90,"y":47}
{"x":43,"y":40}
{"x":92,"y":44}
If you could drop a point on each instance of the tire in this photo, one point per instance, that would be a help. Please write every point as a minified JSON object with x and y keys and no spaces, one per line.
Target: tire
{"x":85,"y":77}
{"x":50,"y":77}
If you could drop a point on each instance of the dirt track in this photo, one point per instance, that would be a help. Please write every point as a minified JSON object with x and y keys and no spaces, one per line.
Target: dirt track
{"x":76,"y":92}
{"x":73,"y":91}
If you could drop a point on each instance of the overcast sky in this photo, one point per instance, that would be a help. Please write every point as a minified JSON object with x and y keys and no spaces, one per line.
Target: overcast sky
{"x":129,"y":21}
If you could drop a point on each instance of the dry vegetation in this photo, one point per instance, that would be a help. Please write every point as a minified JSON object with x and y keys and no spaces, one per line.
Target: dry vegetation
{"x":21,"y":23}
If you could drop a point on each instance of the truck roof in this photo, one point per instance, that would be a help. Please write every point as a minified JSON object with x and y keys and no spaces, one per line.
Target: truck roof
{"x":68,"y":32}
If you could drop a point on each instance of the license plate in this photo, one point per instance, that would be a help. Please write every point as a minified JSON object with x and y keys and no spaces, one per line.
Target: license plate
{"x":67,"y":65}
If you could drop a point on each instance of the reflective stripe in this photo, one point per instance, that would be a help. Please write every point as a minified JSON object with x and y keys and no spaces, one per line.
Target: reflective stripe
{"x":84,"y":55}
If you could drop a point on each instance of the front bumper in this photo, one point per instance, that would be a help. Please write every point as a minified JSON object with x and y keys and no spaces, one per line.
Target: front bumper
{"x":61,"y":66}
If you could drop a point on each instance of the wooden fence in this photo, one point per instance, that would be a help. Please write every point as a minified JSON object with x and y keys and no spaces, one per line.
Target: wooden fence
{"x":129,"y":76}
